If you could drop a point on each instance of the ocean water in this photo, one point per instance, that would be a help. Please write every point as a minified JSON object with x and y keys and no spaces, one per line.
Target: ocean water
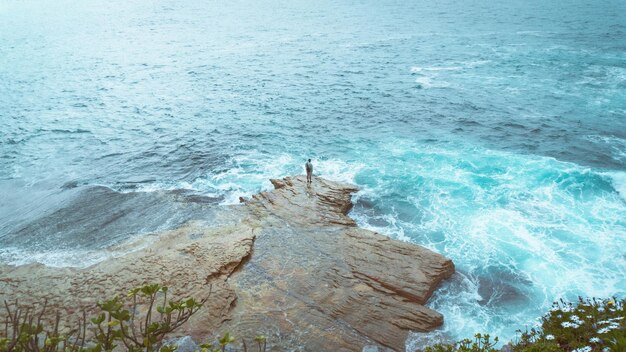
{"x":493,"y":133}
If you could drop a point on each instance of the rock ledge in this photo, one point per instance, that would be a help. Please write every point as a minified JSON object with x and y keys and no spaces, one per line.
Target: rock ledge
{"x":290,"y":264}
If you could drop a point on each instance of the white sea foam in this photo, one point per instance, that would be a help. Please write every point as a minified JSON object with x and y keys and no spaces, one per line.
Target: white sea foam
{"x":58,"y":259}
{"x":74,"y":258}
{"x":618,"y":179}
{"x":428,"y":82}
{"x":394,"y":229}
{"x":548,"y":226}
{"x":617,"y":145}
{"x":457,"y":67}
{"x":337,"y":170}
{"x":437,"y":76}
{"x":77,"y":258}
{"x":430,"y":77}
{"x":441,"y":68}
{"x":534,"y":33}
{"x":250,"y":174}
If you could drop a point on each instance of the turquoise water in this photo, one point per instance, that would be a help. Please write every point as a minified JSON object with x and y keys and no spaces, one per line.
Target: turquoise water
{"x":494,"y":134}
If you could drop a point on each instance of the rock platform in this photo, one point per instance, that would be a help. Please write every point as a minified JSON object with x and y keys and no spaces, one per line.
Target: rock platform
{"x":290,"y":265}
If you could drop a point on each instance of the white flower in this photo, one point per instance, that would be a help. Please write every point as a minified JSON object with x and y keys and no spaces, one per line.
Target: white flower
{"x":608,"y":328}
{"x":594,"y":340}
{"x":567,"y":324}
{"x":606,"y":349}
{"x":549,"y":337}
{"x":611,"y":321}
{"x":583,"y":349}
{"x":575,"y":319}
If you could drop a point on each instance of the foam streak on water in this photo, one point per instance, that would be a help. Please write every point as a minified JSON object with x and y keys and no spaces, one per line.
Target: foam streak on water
{"x":491,"y":132}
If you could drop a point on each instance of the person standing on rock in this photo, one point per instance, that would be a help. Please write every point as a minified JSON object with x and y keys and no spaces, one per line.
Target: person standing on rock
{"x":309,"y":171}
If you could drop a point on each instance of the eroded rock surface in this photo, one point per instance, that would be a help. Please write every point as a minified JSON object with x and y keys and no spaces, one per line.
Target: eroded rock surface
{"x":324,"y":283}
{"x":293,"y":266}
{"x":194,"y":261}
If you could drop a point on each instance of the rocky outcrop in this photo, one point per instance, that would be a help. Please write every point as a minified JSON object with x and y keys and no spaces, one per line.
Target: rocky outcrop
{"x":327,"y":284}
{"x":291,"y":265}
{"x":194,"y":261}
{"x":321,"y":204}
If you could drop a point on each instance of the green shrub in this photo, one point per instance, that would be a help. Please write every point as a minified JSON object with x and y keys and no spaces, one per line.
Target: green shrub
{"x":589,"y":325}
{"x":145,"y":316}
{"x":137,"y":322}
{"x":481,"y":343}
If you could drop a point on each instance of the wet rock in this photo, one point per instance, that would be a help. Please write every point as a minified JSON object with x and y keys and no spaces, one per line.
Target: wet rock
{"x":326,"y":284}
{"x":291,"y":266}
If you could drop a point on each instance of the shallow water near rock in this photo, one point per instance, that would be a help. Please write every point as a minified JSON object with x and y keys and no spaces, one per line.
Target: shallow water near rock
{"x":494,"y":134}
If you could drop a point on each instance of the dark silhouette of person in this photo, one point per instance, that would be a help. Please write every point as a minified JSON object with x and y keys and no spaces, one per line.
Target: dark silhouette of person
{"x":309,"y":171}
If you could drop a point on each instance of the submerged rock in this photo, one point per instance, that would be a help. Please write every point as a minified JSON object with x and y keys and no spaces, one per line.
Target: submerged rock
{"x":291,"y":265}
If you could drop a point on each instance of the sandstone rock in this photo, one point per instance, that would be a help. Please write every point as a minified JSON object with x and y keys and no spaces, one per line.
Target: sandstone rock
{"x":323,"y":203}
{"x":324,"y":283}
{"x":191,"y":268}
{"x":291,"y":265}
